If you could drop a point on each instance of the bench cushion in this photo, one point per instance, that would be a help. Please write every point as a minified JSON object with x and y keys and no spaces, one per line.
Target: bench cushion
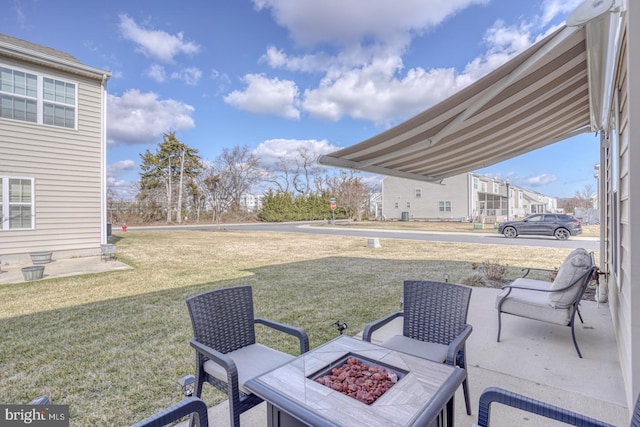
{"x":575,"y":266}
{"x":251,"y":361}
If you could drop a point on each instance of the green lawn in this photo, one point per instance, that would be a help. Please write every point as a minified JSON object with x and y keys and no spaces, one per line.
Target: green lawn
{"x":113,"y":345}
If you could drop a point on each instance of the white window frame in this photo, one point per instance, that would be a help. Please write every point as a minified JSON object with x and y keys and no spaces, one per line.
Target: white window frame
{"x":396,"y":205}
{"x":418,"y":193}
{"x":476,"y":182}
{"x":408,"y":205}
{"x":444,"y":206}
{"x":6,"y":203}
{"x":42,"y":103}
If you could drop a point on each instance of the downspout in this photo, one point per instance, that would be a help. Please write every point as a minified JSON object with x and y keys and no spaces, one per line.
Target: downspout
{"x":602,"y":291}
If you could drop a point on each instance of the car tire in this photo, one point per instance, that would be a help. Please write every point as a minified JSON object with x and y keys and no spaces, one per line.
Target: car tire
{"x":510,"y":232}
{"x":562,"y":234}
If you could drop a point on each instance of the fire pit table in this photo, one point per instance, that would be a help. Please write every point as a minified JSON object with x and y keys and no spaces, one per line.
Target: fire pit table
{"x":422,"y":395}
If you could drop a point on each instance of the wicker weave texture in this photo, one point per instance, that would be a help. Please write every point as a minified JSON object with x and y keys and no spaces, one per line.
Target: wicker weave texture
{"x":223,"y":318}
{"x":435,"y":311}
{"x":527,"y":404}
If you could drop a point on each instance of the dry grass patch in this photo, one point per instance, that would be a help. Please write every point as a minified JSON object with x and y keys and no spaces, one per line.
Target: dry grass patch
{"x":112,"y":345}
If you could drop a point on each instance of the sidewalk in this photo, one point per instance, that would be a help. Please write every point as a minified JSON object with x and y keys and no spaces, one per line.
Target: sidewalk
{"x":12,"y":273}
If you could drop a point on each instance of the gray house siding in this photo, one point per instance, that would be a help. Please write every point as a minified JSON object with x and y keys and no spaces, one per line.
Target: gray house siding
{"x":621,"y":230}
{"x":447,"y":201}
{"x":66,"y":166}
{"x":470,"y":196}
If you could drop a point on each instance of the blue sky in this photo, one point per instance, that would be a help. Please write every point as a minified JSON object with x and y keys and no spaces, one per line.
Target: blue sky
{"x":276,"y":75}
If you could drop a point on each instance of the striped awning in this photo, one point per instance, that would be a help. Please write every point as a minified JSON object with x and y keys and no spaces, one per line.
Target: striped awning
{"x":537,"y":98}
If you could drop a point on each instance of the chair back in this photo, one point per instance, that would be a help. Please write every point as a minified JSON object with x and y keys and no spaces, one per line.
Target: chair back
{"x":223,"y":319}
{"x":435,"y":311}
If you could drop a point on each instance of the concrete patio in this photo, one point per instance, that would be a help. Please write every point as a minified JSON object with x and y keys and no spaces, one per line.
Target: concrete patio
{"x":533,"y":358}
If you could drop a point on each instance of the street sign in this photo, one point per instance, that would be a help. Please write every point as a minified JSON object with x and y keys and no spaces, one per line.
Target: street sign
{"x":332,"y":200}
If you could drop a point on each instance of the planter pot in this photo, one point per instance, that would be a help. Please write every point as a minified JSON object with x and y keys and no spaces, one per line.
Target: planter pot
{"x":41,"y":257}
{"x":33,"y":273}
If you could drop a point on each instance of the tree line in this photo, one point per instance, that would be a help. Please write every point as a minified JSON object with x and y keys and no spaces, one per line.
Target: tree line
{"x":177,"y":185}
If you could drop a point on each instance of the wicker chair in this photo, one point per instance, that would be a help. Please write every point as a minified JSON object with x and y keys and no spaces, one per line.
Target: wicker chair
{"x":435,"y":328}
{"x":189,"y":406}
{"x":498,"y":395}
{"x":227,"y":354}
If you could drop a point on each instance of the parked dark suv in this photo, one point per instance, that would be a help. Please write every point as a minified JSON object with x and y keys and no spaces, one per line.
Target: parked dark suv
{"x":558,"y":225}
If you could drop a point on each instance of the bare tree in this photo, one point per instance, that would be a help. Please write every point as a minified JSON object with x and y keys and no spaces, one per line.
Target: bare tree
{"x":350,"y":192}
{"x":584,"y":197}
{"x":297,"y":175}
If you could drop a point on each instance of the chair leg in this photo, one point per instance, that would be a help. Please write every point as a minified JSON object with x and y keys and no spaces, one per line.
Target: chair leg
{"x":575,"y":343}
{"x":467,"y":400}
{"x":462,"y":363}
{"x":579,"y":315}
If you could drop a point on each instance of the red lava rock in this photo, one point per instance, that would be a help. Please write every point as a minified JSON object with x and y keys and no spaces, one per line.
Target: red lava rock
{"x":360,"y":381}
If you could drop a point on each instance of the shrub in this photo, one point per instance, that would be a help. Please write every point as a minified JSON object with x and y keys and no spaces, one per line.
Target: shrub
{"x":476,"y":279}
{"x":494,"y":271}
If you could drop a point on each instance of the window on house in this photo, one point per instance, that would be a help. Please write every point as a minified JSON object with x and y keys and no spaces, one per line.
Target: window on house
{"x":483,"y":187}
{"x":408,"y":205}
{"x":396,"y":205}
{"x":31,"y":98}
{"x":444,"y":206}
{"x":496,"y":187}
{"x":16,"y":203}
{"x":418,"y":193}
{"x":476,"y":182}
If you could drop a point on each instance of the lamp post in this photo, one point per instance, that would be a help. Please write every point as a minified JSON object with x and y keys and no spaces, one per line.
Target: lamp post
{"x":188,"y":385}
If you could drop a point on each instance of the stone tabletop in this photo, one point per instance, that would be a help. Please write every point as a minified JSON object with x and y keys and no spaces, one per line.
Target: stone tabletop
{"x":420,"y":395}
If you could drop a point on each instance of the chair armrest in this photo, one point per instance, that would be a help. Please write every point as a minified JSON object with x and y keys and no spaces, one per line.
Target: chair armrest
{"x":495,"y":394}
{"x":188,"y":406}
{"x":41,"y":400}
{"x":526,"y":271}
{"x":287,"y":329}
{"x":221,"y":359}
{"x":458,"y":344}
{"x":373,"y":326}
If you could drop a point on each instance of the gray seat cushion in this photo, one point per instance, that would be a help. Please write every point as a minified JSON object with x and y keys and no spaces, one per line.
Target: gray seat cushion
{"x":576,"y":265}
{"x":425,"y":350}
{"x":532,"y":304}
{"x":251,"y":361}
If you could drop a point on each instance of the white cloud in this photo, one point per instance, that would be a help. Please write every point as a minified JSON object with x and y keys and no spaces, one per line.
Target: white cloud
{"x":366,"y":79}
{"x":266,"y":96}
{"x":155,"y":43}
{"x":272,"y":151}
{"x":552,"y":8}
{"x":537,"y":180}
{"x":190,"y":76}
{"x":338,"y":22}
{"x":157,"y":73}
{"x":120,"y":167}
{"x":139,"y":118}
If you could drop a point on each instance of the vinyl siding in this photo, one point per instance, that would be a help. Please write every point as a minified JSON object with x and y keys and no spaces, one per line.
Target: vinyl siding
{"x":454,"y":189}
{"x":624,"y":291}
{"x":66,"y":165}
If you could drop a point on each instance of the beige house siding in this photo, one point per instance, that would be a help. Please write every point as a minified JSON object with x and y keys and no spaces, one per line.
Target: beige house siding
{"x":624,"y":232}
{"x":67,"y":168}
{"x":403,"y":191}
{"x":486,"y":204}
